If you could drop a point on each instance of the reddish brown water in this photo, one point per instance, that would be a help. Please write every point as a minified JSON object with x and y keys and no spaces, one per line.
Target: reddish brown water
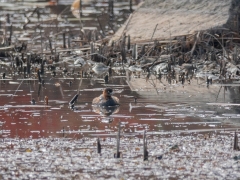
{"x":58,"y":120}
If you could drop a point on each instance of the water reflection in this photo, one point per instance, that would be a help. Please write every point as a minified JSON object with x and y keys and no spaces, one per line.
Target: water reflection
{"x":106,"y":110}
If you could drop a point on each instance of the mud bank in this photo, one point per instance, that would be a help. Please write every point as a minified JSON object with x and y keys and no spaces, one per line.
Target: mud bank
{"x":176,"y":18}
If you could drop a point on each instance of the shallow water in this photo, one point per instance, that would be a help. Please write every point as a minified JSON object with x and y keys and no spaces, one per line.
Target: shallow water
{"x":156,"y":114}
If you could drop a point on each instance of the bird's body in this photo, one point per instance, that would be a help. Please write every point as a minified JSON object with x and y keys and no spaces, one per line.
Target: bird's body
{"x":106,"y":99}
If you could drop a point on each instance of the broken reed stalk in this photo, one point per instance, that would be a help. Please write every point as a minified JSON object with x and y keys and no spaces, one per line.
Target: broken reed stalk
{"x":92,"y":50}
{"x":80,"y":13}
{"x":235,"y":144}
{"x":143,"y":50}
{"x":129,"y":43}
{"x":39,"y":89}
{"x":135,"y":52}
{"x":80,"y":8}
{"x":195,"y":43}
{"x":219,"y":91}
{"x":111,"y":9}
{"x":50,"y":45}
{"x":17,"y":89}
{"x":123,"y":51}
{"x":28,"y":64}
{"x":74,"y":99}
{"x":41,"y":43}
{"x":130,"y":6}
{"x":69,"y":41}
{"x":8,"y":18}
{"x":64,"y":41}
{"x":145,"y":152}
{"x":154,"y":31}
{"x":117,"y":154}
{"x":100,"y":25}
{"x":10,"y":36}
{"x":24,"y":71}
{"x":98,"y":146}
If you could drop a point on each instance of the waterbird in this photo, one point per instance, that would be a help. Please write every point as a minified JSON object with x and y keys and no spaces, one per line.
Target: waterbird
{"x":79,"y":61}
{"x":100,"y":68}
{"x":135,"y":68}
{"x":106,"y":99}
{"x":106,"y":104}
